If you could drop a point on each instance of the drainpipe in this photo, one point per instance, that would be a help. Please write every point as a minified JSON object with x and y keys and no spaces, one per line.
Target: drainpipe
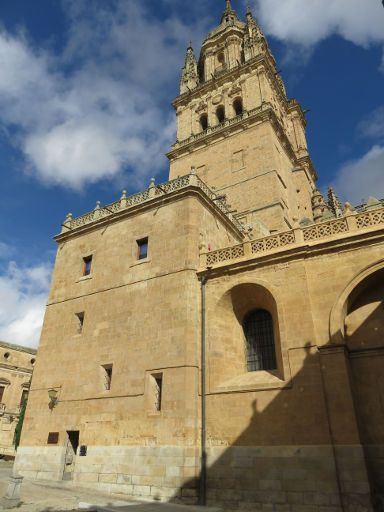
{"x":203,"y":469}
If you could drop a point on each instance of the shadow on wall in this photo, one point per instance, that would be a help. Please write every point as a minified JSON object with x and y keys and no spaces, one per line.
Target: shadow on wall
{"x":316,"y":445}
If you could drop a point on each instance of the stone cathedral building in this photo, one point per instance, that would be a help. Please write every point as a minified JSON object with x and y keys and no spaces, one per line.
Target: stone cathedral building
{"x":219,"y":336}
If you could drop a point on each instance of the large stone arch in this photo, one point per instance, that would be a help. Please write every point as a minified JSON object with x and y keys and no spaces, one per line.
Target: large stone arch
{"x":340,"y":307}
{"x":226,"y":341}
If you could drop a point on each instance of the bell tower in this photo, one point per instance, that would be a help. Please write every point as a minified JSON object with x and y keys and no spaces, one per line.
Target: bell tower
{"x":238,"y":129}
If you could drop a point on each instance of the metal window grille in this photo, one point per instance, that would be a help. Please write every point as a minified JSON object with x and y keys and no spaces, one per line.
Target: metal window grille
{"x":260,"y":343}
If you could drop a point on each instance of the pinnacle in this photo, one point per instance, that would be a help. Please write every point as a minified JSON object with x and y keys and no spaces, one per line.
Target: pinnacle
{"x":229,"y":11}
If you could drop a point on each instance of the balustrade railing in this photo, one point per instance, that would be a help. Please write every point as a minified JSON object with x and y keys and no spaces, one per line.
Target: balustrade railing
{"x":297,"y":237}
{"x":152,"y":192}
{"x":224,"y":124}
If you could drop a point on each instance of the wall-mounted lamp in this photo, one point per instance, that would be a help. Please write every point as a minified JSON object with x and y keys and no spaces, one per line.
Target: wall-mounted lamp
{"x":52,"y":393}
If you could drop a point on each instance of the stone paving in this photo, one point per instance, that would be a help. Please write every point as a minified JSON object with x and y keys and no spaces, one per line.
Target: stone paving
{"x":44,"y":496}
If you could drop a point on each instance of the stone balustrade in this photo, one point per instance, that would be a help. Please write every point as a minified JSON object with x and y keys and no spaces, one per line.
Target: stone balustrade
{"x":153,"y":192}
{"x":225,"y":124}
{"x":351,"y":223}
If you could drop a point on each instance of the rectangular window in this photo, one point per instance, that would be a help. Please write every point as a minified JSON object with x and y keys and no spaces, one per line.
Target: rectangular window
{"x":2,"y":389}
{"x":53,"y":438}
{"x":80,"y":322}
{"x":87,"y":265}
{"x":157,"y":387}
{"x":142,"y":246}
{"x":24,"y":396}
{"x":107,"y":370}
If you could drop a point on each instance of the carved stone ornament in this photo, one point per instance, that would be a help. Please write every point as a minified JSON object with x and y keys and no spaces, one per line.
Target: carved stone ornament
{"x":217,"y":99}
{"x":202,"y":106}
{"x":236,"y":89}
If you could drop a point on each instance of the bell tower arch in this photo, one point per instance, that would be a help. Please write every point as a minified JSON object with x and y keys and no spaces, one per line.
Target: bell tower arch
{"x":238,"y":129}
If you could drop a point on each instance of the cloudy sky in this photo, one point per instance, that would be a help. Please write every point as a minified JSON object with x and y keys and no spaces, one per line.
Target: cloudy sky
{"x":85,"y":93}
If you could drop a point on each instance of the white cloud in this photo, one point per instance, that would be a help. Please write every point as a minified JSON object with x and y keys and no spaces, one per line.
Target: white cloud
{"x":307,"y":22}
{"x":23,"y":294}
{"x":103,"y":116}
{"x":362,"y":178}
{"x":373,"y":125}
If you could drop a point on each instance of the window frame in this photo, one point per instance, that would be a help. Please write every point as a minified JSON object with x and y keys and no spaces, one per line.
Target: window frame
{"x":87,"y":260}
{"x":142,"y":242}
{"x":261,"y":350}
{"x":108,"y":375}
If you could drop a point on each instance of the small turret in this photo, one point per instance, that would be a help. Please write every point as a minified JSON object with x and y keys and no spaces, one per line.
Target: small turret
{"x":320,"y":208}
{"x":253,"y":37}
{"x":334,"y":203}
{"x":189,"y":76}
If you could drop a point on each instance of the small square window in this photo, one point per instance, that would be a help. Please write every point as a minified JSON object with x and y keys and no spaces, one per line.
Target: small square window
{"x":142,"y":246}
{"x":87,"y":265}
{"x":53,"y":438}
{"x":80,"y":322}
{"x":107,"y":370}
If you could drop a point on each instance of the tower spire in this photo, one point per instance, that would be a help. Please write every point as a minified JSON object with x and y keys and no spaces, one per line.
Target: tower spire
{"x":189,"y":76}
{"x":229,"y":15}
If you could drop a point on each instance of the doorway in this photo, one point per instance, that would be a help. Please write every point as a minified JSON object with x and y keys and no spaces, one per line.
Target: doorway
{"x":72,"y":445}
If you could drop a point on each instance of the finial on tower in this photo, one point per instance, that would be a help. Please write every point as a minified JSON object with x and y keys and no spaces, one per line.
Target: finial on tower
{"x":229,"y":14}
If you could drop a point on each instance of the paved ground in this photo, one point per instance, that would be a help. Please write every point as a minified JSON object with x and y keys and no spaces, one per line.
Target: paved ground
{"x":58,"y":496}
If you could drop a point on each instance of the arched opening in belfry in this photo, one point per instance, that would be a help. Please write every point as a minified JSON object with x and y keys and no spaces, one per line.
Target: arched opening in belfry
{"x":221,"y":59}
{"x":203,"y":122}
{"x":220,"y":114}
{"x":238,"y":106}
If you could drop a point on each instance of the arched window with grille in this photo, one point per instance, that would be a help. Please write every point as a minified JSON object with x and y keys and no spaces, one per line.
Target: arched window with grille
{"x":204,"y":122}
{"x":260,"y":341}
{"x":238,"y":106}
{"x":220,"y":114}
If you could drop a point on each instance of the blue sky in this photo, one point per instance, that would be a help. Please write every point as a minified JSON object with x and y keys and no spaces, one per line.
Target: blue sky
{"x":85,"y":94}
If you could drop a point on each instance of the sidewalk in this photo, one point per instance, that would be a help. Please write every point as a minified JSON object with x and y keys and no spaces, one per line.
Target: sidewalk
{"x":44,"y":496}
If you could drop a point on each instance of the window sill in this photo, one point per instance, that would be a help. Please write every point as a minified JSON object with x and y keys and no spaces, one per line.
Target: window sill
{"x":84,"y":278}
{"x":141,"y":262}
{"x":253,"y":381}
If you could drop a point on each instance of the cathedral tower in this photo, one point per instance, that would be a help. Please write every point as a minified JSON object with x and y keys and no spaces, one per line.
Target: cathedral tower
{"x":238,"y":129}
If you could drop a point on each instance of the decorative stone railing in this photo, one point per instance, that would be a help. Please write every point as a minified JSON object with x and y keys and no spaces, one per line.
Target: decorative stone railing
{"x":152,"y":192}
{"x":325,"y":229}
{"x":228,"y":122}
{"x":371,"y":218}
{"x":351,"y":223}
